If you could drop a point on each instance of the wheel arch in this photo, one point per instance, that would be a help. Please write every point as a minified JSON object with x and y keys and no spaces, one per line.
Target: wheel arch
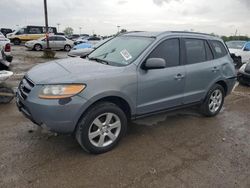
{"x":124,"y":103}
{"x":224,"y":85}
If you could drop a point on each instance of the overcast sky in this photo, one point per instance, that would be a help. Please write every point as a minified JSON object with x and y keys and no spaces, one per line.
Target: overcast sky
{"x":222,"y":17}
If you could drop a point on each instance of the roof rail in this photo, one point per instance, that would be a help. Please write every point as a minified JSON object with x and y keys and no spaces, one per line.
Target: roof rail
{"x":190,"y":32}
{"x":128,"y":32}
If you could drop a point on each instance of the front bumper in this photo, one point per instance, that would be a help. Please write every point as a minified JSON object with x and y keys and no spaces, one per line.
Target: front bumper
{"x":59,"y":116}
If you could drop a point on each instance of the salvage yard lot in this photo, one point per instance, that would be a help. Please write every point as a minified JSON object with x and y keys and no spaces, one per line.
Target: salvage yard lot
{"x":178,"y":149}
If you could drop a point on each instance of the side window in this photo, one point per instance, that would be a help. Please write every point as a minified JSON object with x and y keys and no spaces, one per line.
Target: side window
{"x":60,"y":39}
{"x":195,"y":51}
{"x":21,"y":32}
{"x":219,"y":49}
{"x":35,"y":30}
{"x":52,"y":38}
{"x":168,"y":50}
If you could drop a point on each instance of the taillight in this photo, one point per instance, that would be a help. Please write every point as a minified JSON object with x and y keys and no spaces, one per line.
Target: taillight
{"x":7,"y":48}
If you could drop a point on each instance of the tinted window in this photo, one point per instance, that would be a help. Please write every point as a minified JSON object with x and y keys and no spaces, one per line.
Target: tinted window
{"x":34,"y":30}
{"x":21,"y":31}
{"x":60,"y":39}
{"x":219,"y":49}
{"x":52,"y":38}
{"x":195,"y":51}
{"x":168,"y":50}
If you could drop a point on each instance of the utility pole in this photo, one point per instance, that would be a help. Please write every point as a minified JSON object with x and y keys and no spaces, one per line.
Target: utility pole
{"x":80,"y":29}
{"x":46,"y":23}
{"x":118,"y":27}
{"x":58,"y":24}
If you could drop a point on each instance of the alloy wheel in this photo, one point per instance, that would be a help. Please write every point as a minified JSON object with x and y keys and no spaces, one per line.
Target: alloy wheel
{"x":104,"y":130}
{"x":215,"y":101}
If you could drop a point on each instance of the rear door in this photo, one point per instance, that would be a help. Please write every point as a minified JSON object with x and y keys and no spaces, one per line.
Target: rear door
{"x":160,"y":89}
{"x":60,"y":42}
{"x":199,"y":69}
{"x":52,"y":42}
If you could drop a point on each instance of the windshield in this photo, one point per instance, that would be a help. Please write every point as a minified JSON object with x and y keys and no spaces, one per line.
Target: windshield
{"x":121,"y":50}
{"x":236,"y":44}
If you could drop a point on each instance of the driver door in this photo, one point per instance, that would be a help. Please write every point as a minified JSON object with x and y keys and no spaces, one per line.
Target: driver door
{"x":52,"y":42}
{"x":160,"y":89}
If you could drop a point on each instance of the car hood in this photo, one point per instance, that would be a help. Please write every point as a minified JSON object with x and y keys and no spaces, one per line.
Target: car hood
{"x":70,"y":70}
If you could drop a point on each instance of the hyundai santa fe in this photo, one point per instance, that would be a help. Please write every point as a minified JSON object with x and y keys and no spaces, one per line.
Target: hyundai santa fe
{"x":131,"y":76}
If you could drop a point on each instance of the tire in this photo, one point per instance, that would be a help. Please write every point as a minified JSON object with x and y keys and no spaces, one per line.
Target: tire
{"x":6,"y":99}
{"x":92,"y":134}
{"x":214,"y":101}
{"x":16,"y":41}
{"x":38,"y":47}
{"x":67,"y":48}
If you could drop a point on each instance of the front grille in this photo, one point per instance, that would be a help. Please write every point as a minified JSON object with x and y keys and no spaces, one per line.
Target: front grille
{"x":25,"y":87}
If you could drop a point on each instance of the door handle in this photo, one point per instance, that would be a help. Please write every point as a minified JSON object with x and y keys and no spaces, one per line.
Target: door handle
{"x":215,"y":69}
{"x":179,"y":77}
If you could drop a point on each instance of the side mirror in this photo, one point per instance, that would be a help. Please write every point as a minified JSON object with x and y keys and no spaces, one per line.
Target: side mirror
{"x":155,"y":63}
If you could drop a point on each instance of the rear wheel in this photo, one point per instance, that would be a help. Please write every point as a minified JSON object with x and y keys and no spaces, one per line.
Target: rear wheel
{"x":38,"y":47}
{"x":67,"y":48}
{"x":214,"y":101}
{"x":101,"y":128}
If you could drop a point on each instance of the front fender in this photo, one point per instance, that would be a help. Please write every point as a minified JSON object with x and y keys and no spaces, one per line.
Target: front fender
{"x":100,"y":96}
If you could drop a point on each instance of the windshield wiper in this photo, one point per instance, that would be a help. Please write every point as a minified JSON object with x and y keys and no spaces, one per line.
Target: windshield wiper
{"x":107,"y":53}
{"x":99,"y":60}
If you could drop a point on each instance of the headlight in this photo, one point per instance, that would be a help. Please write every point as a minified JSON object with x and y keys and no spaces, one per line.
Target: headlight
{"x":60,"y":91}
{"x":242,"y":68}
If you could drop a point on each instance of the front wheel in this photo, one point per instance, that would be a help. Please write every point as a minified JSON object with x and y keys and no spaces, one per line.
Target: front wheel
{"x":101,"y":128}
{"x":67,"y":48}
{"x":214,"y":101}
{"x":38,"y":47}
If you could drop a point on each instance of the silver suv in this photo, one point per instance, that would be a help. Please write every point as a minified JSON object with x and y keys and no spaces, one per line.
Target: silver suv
{"x":131,"y":76}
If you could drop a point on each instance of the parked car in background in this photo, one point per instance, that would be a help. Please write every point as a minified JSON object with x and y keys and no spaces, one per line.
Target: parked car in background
{"x":130,"y":76}
{"x":5,"y":44}
{"x":73,"y":37}
{"x":80,"y":50}
{"x":244,"y":74}
{"x":5,"y":31}
{"x":56,"y":42}
{"x":28,"y":33}
{"x":84,"y":49}
{"x":92,"y":40}
{"x":240,"y":48}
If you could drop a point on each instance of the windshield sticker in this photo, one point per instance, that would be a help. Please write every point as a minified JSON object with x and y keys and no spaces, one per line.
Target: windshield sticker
{"x":125,"y":54}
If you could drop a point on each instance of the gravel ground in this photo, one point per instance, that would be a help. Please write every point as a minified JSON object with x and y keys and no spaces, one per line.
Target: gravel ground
{"x":178,"y":149}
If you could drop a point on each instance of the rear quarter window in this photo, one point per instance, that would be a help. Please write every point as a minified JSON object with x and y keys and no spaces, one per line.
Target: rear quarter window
{"x":218,"y":48}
